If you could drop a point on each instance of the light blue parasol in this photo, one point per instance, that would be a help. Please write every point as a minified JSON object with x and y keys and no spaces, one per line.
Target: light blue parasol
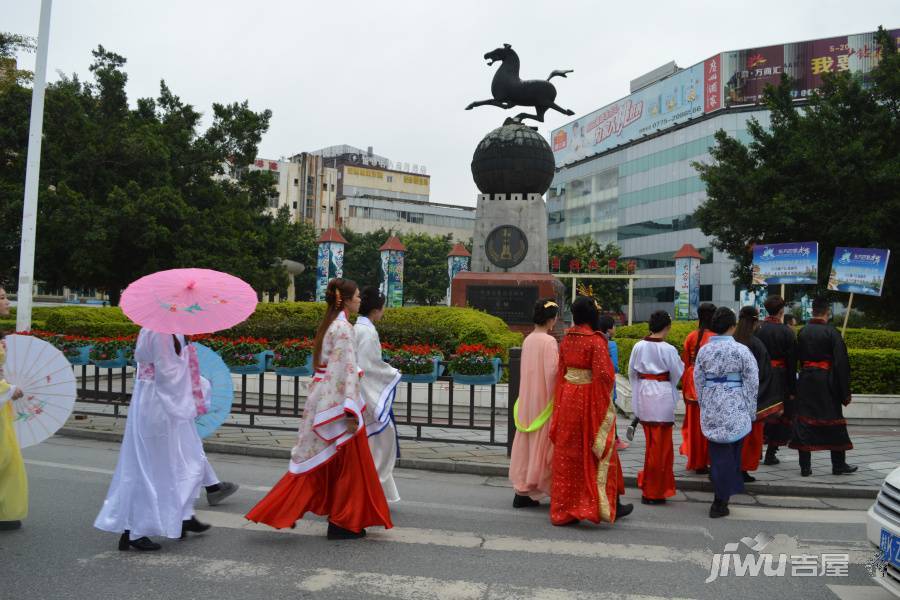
{"x":213,"y":368}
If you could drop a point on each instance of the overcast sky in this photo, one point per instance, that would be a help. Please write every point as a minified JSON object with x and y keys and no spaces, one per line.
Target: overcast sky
{"x":397,"y":75}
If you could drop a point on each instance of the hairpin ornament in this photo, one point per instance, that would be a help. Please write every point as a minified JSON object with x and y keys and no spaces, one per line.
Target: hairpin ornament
{"x":550,"y":303}
{"x":337,"y":296}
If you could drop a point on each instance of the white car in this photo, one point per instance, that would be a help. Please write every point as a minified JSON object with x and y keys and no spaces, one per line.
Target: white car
{"x":883,"y":530}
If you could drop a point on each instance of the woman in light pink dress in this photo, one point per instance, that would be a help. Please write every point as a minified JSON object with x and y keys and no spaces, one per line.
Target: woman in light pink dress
{"x":532,"y":452}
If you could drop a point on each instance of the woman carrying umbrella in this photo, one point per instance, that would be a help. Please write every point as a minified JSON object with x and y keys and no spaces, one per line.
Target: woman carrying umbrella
{"x":162,"y":466}
{"x":13,"y":481}
{"x":331,"y":470}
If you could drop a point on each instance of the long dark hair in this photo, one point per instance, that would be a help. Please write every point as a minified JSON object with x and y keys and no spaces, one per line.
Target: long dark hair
{"x":748,"y":319}
{"x":337,"y":294}
{"x":704,"y":315}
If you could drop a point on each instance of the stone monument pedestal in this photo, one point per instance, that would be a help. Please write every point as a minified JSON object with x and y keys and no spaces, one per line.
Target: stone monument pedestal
{"x":509,"y":296}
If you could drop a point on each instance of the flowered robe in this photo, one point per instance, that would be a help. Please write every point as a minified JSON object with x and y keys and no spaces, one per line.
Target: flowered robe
{"x":13,"y":481}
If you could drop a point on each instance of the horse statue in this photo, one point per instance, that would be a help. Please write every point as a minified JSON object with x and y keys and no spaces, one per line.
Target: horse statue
{"x":509,"y":91}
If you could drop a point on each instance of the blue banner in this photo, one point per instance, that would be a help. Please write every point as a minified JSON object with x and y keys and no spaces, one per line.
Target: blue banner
{"x":795,"y":262}
{"x":858,"y":270}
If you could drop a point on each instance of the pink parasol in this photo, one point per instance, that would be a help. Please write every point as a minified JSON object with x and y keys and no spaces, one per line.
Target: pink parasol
{"x":188,"y":301}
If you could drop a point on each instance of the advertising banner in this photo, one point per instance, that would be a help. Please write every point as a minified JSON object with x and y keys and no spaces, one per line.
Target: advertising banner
{"x":329,"y":264}
{"x":667,"y":102}
{"x":858,"y":270}
{"x":455,"y":264}
{"x":687,"y":288}
{"x":794,"y":262}
{"x":757,"y":299}
{"x":392,"y":277}
{"x":747,"y":72}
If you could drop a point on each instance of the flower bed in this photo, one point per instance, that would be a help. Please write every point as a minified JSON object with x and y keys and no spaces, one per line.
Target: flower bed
{"x":476,"y":364}
{"x":109,"y":352}
{"x":293,"y":357}
{"x":418,"y":363}
{"x":245,"y":355}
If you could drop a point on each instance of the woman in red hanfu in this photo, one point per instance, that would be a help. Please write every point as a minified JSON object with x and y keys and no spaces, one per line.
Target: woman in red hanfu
{"x":693,"y":442}
{"x":587,"y":475}
{"x":331,"y":470}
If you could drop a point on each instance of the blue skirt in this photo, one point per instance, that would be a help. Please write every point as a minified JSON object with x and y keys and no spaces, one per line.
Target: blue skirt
{"x":725,"y":468}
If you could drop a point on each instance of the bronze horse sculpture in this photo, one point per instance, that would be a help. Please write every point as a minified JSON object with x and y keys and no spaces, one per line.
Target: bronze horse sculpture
{"x":509,"y":91}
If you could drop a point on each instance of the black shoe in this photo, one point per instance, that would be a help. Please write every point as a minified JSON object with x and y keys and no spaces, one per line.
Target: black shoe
{"x":703,"y":471}
{"x":144,"y":544}
{"x":225,"y":489}
{"x":771,"y":460}
{"x":747,"y":477}
{"x":646,"y":500}
{"x":521,"y":501}
{"x":805,"y":472}
{"x":10,"y":525}
{"x":194,"y":526}
{"x":844,"y":469}
{"x":718,"y":509}
{"x":339,"y":533}
{"x":623,"y":510}
{"x":629,"y":433}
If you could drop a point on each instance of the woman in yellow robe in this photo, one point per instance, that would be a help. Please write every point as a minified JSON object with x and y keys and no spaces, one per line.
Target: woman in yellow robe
{"x":13,"y":482}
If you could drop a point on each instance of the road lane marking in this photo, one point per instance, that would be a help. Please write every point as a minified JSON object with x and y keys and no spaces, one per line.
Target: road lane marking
{"x":861,"y":592}
{"x":796,"y":515}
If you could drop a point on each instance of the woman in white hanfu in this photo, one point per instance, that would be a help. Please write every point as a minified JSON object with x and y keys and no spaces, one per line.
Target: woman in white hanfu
{"x":162,"y":466}
{"x":379,"y":388}
{"x":331,"y":470}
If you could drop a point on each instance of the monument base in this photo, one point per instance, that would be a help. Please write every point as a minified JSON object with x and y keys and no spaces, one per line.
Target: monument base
{"x":508,"y":296}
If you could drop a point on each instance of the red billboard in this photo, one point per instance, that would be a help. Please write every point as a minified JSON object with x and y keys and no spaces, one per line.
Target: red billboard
{"x":747,"y":72}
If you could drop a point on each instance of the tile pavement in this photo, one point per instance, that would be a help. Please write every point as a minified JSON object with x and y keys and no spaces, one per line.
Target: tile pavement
{"x":876,"y":452}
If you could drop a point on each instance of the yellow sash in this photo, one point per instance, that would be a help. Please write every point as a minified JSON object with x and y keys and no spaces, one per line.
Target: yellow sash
{"x":538,"y":422}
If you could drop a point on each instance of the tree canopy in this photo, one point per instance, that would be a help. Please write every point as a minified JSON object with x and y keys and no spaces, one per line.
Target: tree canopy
{"x":828,"y":172}
{"x":128,"y":190}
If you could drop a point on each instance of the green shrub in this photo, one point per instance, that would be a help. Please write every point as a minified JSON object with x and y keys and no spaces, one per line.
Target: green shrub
{"x":280,"y":321}
{"x":8,"y":326}
{"x":872,"y":338}
{"x":874,"y":371}
{"x":624,"y":346}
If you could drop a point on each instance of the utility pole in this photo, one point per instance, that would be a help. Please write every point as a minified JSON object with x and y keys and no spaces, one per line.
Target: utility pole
{"x":32,"y":175}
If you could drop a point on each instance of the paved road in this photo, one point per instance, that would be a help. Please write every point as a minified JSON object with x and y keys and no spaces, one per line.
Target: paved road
{"x":455,"y":536}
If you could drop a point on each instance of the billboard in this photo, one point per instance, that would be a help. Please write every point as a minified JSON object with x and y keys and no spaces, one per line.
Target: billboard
{"x":747,"y":72}
{"x":687,"y":288}
{"x":794,"y":262}
{"x":667,"y":102}
{"x":858,"y":270}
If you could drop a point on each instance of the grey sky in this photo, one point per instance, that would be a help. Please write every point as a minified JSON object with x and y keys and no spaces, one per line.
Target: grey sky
{"x":397,"y":75}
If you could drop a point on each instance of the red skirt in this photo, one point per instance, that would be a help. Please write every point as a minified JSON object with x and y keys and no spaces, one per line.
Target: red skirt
{"x":752,"y":448}
{"x":693,"y":442}
{"x":657,"y":479}
{"x":346,"y":489}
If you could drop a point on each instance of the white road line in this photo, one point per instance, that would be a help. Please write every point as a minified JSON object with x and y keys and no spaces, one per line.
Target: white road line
{"x":795,"y":515}
{"x":363,"y":584}
{"x":861,"y":592}
{"x":465,"y":539}
{"x":56,"y":465}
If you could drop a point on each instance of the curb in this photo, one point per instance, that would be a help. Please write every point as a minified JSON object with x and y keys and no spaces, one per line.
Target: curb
{"x":489,"y":470}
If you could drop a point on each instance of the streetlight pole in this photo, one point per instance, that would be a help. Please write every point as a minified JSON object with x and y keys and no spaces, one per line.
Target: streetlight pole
{"x":32,"y":175}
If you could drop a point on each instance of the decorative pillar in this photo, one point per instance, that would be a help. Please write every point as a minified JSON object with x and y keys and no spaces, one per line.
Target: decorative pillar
{"x":329,"y":261}
{"x":457,"y":261}
{"x":687,"y":283}
{"x":392,"y":253}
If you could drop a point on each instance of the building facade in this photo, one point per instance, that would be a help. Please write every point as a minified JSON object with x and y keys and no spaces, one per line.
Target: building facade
{"x":625,"y":174}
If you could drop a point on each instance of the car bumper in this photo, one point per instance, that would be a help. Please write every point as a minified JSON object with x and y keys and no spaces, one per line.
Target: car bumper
{"x":875,"y":522}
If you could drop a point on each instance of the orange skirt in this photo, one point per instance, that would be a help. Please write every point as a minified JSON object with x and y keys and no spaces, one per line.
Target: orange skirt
{"x":693,"y":442}
{"x":752,"y":448}
{"x":346,"y":489}
{"x":657,"y":479}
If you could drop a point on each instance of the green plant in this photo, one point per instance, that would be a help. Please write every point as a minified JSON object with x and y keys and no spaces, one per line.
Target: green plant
{"x":107,"y":348}
{"x":414,"y":359}
{"x":293,"y":353}
{"x":874,"y":371}
{"x":242,"y":351}
{"x":473,"y":359}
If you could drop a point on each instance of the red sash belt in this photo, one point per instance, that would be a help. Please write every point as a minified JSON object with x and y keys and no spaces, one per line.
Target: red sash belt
{"x":825,"y":365}
{"x":779,"y":363}
{"x":655,"y":376}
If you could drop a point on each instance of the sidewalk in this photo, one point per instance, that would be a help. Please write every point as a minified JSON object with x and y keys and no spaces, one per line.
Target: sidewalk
{"x":876,"y":452}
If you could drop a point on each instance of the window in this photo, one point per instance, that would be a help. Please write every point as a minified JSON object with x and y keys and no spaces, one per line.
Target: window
{"x":665,"y":225}
{"x":296,"y":181}
{"x":390,"y":178}
{"x":295,"y":205}
{"x":664,"y":260}
{"x":324,"y":187}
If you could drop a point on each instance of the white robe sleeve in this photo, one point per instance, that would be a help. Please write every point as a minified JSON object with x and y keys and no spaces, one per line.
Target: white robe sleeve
{"x":635,"y":380}
{"x":675,"y":366}
{"x":168,"y":368}
{"x":379,"y":381}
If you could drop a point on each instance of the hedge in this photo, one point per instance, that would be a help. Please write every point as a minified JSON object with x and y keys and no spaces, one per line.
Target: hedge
{"x":440,"y":325}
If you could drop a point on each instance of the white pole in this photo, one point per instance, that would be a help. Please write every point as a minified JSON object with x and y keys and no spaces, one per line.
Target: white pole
{"x":630,"y":300}
{"x":32,"y":174}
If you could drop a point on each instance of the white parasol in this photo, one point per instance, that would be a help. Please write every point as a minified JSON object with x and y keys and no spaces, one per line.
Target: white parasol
{"x":48,"y":385}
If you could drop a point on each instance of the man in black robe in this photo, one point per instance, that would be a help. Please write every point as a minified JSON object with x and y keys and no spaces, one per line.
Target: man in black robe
{"x":823,"y":389}
{"x":781,"y":343}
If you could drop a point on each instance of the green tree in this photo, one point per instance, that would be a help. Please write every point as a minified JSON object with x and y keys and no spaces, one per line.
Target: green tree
{"x":828,"y":172}
{"x":128,"y":191}
{"x":362,"y":258}
{"x":611,"y":294}
{"x":425,"y":278}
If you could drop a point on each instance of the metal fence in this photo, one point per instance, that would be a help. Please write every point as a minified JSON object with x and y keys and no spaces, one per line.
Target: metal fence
{"x":111,"y":388}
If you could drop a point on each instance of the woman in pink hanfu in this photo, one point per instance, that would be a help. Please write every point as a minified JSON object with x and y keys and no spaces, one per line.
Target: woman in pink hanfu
{"x":532,"y":454}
